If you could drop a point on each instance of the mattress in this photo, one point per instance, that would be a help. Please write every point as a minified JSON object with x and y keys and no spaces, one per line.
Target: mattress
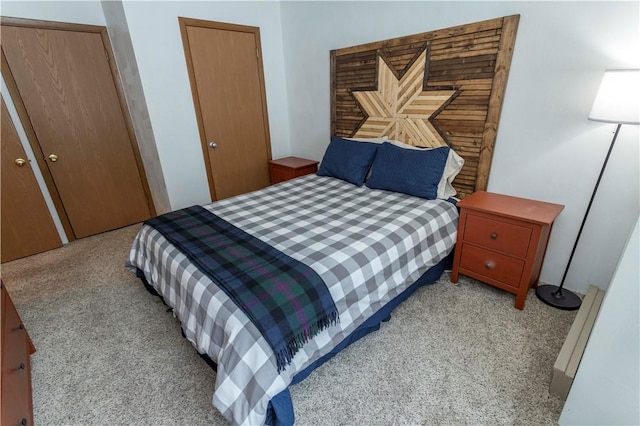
{"x":367,"y":245}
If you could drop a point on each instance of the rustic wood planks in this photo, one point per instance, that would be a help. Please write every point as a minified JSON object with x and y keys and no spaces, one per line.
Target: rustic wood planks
{"x":442,"y":87}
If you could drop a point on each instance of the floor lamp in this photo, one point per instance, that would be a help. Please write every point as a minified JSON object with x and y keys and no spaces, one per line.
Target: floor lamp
{"x":618,"y":102}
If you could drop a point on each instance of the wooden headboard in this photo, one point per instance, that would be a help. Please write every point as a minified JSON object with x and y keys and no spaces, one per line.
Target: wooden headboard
{"x":442,"y":87}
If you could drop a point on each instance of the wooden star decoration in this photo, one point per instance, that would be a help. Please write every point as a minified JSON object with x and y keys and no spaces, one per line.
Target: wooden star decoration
{"x":400,"y":108}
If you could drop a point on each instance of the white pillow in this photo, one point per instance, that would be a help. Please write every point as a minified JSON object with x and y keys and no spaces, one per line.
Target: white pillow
{"x":372,"y":140}
{"x":451,"y":169}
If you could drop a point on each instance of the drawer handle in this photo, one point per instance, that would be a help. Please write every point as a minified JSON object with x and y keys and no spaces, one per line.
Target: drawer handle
{"x":21,"y":327}
{"x":22,"y":366}
{"x":494,"y":236}
{"x":23,"y":422}
{"x":489,"y":265}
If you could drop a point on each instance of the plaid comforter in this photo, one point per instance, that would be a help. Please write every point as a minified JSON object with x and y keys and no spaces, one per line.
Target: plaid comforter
{"x":284,"y":298}
{"x":367,"y":245}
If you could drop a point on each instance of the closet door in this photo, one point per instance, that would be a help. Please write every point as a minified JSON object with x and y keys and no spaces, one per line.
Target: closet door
{"x":227,"y":83}
{"x":67,"y":88}
{"x":27,"y":227}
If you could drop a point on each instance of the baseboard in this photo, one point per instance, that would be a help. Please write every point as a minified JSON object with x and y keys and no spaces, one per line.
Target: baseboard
{"x":566,"y":365}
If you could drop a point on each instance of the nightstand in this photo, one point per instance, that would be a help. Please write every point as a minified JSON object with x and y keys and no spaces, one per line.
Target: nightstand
{"x":502,"y":241}
{"x":17,"y":403}
{"x":290,"y":167}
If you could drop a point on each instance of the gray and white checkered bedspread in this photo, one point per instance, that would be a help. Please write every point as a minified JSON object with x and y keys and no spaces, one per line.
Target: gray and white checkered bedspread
{"x":367,"y":245}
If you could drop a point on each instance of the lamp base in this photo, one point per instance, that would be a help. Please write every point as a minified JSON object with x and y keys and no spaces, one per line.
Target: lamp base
{"x":558,"y":297}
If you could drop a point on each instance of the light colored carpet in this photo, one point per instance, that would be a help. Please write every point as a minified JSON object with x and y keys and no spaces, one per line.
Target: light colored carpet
{"x":109,"y":353}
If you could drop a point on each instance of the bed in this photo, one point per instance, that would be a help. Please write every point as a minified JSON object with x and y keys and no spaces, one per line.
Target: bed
{"x":356,"y":238}
{"x":374,"y":224}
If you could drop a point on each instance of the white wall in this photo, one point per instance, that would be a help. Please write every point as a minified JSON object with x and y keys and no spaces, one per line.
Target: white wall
{"x":157,"y":43}
{"x":89,"y":12}
{"x":118,"y":29}
{"x":546,"y":148}
{"x":606,"y":389}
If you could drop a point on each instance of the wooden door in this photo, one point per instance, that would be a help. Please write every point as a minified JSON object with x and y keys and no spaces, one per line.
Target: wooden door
{"x":66,"y":84}
{"x":26,"y":227}
{"x":227,"y":83}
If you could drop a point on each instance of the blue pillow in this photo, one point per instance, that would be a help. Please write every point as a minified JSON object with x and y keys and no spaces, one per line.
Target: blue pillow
{"x":348,"y":160}
{"x":413,"y":172}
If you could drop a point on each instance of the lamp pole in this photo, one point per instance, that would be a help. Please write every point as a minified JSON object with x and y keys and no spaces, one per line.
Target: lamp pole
{"x":618,"y":102}
{"x":566,"y":299}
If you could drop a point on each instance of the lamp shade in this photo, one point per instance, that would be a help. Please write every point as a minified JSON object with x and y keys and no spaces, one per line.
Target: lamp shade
{"x":618,"y":98}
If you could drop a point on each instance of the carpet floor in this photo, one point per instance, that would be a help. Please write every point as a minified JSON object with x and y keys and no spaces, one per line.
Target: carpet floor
{"x":109,"y":353}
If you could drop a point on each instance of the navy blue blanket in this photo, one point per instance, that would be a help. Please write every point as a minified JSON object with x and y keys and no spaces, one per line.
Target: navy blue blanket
{"x":284,"y":298}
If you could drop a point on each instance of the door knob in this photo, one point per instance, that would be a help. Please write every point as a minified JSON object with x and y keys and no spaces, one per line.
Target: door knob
{"x":53,"y":158}
{"x":213,"y":144}
{"x":20,"y":162}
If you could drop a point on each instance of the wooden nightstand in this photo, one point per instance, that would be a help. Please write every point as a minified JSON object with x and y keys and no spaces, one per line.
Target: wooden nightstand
{"x":17,"y":403}
{"x":502,"y":241}
{"x":290,"y":167}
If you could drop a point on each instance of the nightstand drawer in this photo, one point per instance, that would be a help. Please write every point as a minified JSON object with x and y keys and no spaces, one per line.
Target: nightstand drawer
{"x":281,"y":174}
{"x":289,"y":168}
{"x":15,"y":364}
{"x":502,"y":241}
{"x":14,"y":336}
{"x":13,"y":342}
{"x":497,"y":235}
{"x":16,"y":385}
{"x":492,"y":265}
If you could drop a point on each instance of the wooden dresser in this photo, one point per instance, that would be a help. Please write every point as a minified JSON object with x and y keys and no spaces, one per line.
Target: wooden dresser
{"x":17,"y":405}
{"x":290,"y":167}
{"x":502,"y":241}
